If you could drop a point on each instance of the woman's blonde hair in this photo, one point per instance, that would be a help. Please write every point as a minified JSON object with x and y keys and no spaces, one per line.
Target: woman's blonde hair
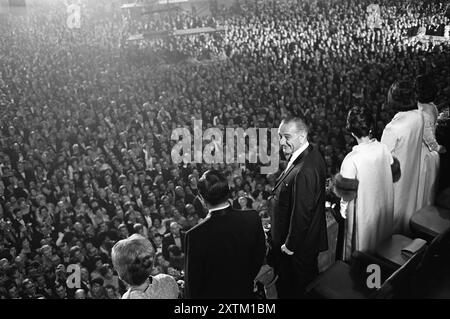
{"x":128,"y":258}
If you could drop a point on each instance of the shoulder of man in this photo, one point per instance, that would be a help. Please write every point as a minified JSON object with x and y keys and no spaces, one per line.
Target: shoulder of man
{"x":245,"y":213}
{"x":313,"y":163}
{"x":197,"y":228}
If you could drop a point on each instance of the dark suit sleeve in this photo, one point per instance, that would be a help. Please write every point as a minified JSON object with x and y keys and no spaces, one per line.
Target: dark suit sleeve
{"x":194,"y":269}
{"x":259,"y":251}
{"x":165,"y":247}
{"x":303,"y":209}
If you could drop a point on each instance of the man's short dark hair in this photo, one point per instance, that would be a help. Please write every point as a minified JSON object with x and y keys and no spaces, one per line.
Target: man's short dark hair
{"x":213,"y":187}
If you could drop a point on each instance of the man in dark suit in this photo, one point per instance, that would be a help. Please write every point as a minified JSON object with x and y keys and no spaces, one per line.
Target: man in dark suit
{"x":298,"y":220}
{"x":175,"y":237}
{"x":225,"y":252}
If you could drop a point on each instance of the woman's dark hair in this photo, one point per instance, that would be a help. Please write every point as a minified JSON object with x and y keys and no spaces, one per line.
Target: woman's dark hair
{"x":426,"y":89}
{"x":401,"y":96}
{"x":213,"y":187}
{"x":359,"y":122}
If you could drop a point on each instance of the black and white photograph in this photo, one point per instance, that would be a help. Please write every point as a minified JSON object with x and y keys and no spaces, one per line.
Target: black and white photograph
{"x":225,"y":155}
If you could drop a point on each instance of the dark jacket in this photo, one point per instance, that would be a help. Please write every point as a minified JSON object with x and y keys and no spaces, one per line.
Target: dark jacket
{"x":298,"y":207}
{"x":224,"y":253}
{"x":168,"y":240}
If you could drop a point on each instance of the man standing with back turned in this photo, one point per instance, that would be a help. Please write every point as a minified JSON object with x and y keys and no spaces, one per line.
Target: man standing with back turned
{"x":225,"y":252}
{"x":299,"y":230}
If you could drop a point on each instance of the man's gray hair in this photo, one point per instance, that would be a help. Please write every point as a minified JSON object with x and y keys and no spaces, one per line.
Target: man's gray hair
{"x":299,"y":124}
{"x":125,"y":253}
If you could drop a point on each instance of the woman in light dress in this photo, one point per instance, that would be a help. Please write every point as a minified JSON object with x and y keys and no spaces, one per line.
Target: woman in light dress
{"x":365,"y":186}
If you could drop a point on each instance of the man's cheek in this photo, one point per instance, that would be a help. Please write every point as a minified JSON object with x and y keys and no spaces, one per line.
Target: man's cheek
{"x":282,"y":155}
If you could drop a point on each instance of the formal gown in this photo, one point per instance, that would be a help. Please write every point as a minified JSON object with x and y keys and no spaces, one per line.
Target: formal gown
{"x":430,"y":157}
{"x":370,"y":216}
{"x":404,"y":138}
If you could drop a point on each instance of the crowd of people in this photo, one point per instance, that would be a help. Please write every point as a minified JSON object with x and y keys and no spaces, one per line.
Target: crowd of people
{"x":86,"y":122}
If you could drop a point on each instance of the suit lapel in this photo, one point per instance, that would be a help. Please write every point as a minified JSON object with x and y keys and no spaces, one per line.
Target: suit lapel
{"x":299,"y":159}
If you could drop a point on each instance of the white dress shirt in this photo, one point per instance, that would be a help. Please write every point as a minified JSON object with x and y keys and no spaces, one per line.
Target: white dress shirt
{"x":296,"y":154}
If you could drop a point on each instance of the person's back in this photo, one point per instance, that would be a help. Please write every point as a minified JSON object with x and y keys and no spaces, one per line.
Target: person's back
{"x":375,"y":196}
{"x":224,"y":252}
{"x":161,"y":287}
{"x":403,"y":137}
{"x":133,"y":259}
{"x":230,"y":246}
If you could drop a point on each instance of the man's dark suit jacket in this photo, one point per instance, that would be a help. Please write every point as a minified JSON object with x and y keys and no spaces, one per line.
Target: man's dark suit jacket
{"x":298,"y":209}
{"x":224,"y":253}
{"x":168,"y":240}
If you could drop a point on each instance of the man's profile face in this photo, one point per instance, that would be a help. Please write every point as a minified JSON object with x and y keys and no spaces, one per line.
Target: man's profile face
{"x":290,"y":138}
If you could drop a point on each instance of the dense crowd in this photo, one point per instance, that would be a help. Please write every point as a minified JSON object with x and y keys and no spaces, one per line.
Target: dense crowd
{"x":86,"y":121}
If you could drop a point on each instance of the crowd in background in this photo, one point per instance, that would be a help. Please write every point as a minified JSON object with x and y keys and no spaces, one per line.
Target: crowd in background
{"x":86,"y":121}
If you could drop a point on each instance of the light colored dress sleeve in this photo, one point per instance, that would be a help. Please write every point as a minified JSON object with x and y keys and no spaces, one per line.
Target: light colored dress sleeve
{"x":348,"y":170}
{"x":389,"y":138}
{"x":171,"y":289}
{"x":430,"y":113}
